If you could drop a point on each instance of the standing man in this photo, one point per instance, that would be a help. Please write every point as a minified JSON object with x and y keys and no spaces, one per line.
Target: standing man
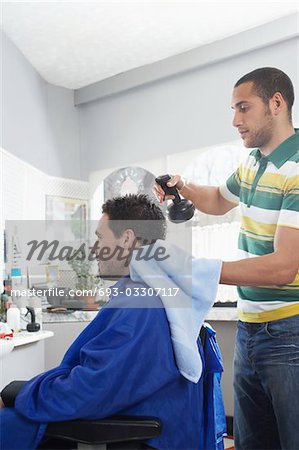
{"x":266,"y":188}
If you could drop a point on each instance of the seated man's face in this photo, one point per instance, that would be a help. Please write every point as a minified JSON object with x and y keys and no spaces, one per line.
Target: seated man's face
{"x":111,"y":251}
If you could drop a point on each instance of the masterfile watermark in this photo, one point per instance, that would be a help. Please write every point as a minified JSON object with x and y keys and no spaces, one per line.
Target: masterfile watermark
{"x":101,"y":291}
{"x":63,"y":261}
{"x":96,"y":252}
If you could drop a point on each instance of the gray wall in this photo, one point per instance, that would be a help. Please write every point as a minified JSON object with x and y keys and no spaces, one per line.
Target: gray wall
{"x":39,"y":121}
{"x":179,"y":113}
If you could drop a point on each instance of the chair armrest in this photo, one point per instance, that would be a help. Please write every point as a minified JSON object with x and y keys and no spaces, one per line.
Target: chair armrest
{"x":10,"y":392}
{"x":114,"y":429}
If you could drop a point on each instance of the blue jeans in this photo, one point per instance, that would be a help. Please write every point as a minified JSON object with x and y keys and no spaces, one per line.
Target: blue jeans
{"x":266,"y":385}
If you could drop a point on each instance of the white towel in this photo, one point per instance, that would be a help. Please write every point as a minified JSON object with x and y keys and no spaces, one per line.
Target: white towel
{"x":197,"y":280}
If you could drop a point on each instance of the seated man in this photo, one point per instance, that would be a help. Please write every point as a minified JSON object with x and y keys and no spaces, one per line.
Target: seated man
{"x":122,"y":363}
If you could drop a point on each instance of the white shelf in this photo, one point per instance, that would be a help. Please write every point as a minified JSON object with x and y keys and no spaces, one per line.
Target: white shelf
{"x":24,"y":337}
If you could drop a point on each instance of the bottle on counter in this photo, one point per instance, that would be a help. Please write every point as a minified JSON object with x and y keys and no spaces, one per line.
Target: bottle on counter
{"x":6,"y":299}
{"x":13,"y":318}
{"x":7,"y":286}
{"x":3,"y":307}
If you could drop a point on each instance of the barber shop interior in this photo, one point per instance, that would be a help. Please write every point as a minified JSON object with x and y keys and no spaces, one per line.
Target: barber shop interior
{"x":149,"y":178}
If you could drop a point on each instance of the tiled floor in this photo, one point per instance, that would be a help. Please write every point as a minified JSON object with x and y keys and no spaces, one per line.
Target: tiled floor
{"x":229,"y":443}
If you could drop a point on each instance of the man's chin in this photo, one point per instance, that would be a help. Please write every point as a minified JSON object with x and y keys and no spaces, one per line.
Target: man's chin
{"x":248,"y":144}
{"x":110,"y":277}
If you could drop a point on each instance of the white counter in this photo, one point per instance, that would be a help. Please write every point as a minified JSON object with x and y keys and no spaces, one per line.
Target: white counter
{"x":24,"y":337}
{"x":6,"y":346}
{"x":69,"y":316}
{"x":216,"y":313}
{"x":25,"y":358}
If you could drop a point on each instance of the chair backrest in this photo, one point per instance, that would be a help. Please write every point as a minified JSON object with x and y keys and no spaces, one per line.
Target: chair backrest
{"x":202,"y":335}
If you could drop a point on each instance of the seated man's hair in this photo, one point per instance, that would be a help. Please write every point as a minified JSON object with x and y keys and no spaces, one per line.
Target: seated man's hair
{"x":138,"y":213}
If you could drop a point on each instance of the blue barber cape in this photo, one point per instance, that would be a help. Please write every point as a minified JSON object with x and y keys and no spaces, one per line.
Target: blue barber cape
{"x":213,"y":417}
{"x":122,"y":363}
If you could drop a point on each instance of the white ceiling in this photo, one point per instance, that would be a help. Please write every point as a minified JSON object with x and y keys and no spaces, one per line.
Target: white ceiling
{"x":74,"y":44}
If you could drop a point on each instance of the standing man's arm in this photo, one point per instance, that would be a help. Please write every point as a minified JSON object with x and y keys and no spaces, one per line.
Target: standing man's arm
{"x":207,"y":199}
{"x":279,"y":267}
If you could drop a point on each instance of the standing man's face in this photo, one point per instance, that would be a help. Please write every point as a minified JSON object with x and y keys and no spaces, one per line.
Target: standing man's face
{"x":108,"y":250}
{"x":252,"y":118}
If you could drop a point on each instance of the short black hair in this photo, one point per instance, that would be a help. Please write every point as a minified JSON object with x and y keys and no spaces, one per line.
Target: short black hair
{"x":267,"y":81}
{"x":133,"y":211}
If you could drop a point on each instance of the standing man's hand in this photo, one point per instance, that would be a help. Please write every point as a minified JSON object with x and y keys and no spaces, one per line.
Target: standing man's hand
{"x":1,"y":404}
{"x":176,"y":181}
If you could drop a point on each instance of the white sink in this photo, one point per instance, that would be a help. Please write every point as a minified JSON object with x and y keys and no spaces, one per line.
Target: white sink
{"x":6,"y":346}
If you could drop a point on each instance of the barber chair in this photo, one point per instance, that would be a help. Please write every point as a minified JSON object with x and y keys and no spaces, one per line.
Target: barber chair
{"x":112,"y":433}
{"x":115,"y":433}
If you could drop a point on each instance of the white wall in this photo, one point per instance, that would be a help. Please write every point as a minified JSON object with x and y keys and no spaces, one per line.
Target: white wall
{"x":39,"y":122}
{"x":183,"y":112}
{"x":187,"y":111}
{"x":23,"y":190}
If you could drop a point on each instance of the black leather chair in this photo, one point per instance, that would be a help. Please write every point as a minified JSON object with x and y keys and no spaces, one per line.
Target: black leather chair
{"x":115,"y":433}
{"x":112,"y":433}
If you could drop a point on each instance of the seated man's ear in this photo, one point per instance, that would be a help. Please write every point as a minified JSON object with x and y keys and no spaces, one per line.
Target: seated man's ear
{"x":128,"y":238}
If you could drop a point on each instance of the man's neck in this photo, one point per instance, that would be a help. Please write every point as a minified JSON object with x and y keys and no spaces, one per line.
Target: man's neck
{"x":278,"y":138}
{"x":125,"y":274}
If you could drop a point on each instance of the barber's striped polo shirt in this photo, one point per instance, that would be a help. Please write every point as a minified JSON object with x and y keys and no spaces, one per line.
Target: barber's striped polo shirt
{"x":267,"y":190}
